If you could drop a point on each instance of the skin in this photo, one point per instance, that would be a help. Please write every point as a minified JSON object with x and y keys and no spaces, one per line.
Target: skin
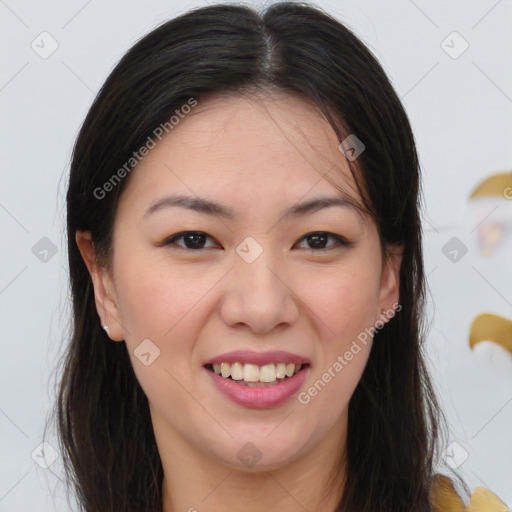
{"x":257,"y":156}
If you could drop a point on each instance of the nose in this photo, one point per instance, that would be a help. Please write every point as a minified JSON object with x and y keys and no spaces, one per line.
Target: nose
{"x":259,"y":295}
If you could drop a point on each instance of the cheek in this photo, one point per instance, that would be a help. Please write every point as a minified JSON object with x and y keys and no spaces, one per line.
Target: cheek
{"x":344,"y":301}
{"x":344,"y":304}
{"x":169,"y":305}
{"x":328,"y":393}
{"x":163,"y":308}
{"x":156,"y":298}
{"x":346,"y":309}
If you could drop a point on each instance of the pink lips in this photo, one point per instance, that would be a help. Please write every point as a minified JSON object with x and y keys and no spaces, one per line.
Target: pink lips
{"x":259,"y":397}
{"x":259,"y":358}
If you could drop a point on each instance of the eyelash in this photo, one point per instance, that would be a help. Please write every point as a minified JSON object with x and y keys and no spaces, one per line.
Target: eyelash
{"x":339,"y":240}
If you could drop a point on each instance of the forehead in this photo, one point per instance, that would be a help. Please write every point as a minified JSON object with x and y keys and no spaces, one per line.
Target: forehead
{"x":245,"y":150}
{"x":260,"y":127}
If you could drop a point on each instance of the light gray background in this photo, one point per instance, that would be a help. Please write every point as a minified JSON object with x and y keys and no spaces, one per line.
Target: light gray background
{"x":460,"y":109}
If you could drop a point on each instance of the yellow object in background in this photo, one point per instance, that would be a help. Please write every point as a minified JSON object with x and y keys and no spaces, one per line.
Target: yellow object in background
{"x":489,"y":327}
{"x":495,"y":185}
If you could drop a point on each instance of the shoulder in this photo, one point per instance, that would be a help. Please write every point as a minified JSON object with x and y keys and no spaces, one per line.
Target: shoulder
{"x":444,"y":498}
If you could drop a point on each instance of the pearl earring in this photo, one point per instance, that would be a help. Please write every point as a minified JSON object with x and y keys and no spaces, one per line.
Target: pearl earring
{"x":106,"y":328}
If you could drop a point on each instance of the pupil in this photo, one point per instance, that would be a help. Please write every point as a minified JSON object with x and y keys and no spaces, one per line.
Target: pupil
{"x":193,"y":237}
{"x":316,"y":237}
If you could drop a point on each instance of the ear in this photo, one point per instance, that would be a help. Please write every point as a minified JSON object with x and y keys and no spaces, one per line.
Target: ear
{"x":104,"y":290}
{"x":390,"y":284}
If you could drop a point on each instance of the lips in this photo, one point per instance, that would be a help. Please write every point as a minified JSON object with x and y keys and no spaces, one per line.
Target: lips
{"x":263,"y":391}
{"x":259,"y":358}
{"x":259,"y":397}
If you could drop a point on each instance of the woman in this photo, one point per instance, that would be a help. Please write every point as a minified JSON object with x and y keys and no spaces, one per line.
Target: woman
{"x":247,"y":278}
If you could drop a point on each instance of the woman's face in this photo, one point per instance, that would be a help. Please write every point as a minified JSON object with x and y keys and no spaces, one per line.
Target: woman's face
{"x":248,"y":281}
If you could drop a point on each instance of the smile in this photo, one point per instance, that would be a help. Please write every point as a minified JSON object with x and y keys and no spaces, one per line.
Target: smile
{"x":257,"y":394}
{"x":253,"y":375}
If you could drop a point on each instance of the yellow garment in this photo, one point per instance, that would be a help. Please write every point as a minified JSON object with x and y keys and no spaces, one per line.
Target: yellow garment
{"x":444,"y":498}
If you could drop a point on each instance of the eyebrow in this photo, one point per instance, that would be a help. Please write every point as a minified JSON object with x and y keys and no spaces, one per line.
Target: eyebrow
{"x":209,"y":207}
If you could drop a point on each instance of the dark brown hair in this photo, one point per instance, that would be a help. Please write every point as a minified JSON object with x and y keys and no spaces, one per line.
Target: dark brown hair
{"x":104,"y":425}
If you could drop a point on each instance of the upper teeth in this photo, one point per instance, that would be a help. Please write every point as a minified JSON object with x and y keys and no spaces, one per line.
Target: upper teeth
{"x":255,"y":373}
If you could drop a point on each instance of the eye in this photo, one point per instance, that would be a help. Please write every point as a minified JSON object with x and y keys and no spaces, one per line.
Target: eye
{"x":193,"y":240}
{"x":318,"y":240}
